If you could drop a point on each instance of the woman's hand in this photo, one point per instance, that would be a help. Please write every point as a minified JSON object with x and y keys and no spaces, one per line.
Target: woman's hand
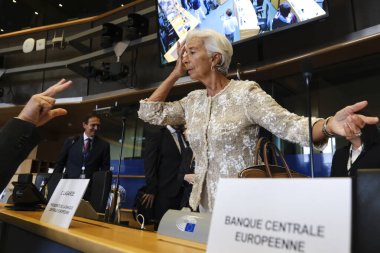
{"x":347,"y":123}
{"x":180,"y":68}
{"x":189,"y":178}
{"x":161,"y":93}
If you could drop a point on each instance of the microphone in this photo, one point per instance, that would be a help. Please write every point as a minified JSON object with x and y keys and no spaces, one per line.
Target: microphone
{"x":307,"y":74}
{"x":307,"y":70}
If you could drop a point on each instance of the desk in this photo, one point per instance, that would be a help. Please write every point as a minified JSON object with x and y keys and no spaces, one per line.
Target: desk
{"x":83,"y":235}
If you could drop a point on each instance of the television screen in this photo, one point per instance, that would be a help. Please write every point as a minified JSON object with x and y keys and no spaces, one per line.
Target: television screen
{"x":237,"y":19}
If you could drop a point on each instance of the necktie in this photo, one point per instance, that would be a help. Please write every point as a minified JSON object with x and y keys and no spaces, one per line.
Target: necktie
{"x":87,"y":145}
{"x":180,"y":140}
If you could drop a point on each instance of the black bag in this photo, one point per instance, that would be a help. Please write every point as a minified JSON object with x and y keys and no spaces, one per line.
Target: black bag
{"x":140,"y":209}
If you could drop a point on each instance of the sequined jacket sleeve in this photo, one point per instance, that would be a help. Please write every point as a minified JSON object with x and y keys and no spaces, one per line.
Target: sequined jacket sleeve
{"x":163,"y":113}
{"x":260,"y":108}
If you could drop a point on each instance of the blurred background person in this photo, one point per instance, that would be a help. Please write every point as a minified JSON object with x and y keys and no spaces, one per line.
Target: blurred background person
{"x":283,"y":17}
{"x":229,"y":25}
{"x":162,"y":159}
{"x":85,"y":154}
{"x":186,"y":173}
{"x":198,"y":12}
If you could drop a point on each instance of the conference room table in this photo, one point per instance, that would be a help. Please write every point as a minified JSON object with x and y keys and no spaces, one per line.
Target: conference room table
{"x":22,"y":231}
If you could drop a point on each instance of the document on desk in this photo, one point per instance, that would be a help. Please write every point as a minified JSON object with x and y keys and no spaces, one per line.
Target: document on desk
{"x":282,"y":215}
{"x":64,"y":202}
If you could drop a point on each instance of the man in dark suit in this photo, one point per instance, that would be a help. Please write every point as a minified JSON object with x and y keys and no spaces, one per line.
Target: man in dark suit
{"x":20,"y":135}
{"x":85,"y":154}
{"x":162,"y":158}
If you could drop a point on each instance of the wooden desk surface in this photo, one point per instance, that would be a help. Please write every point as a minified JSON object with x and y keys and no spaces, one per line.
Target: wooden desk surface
{"x":93,"y":236}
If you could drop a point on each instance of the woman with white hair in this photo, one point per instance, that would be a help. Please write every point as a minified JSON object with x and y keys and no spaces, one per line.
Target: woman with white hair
{"x":223,"y":119}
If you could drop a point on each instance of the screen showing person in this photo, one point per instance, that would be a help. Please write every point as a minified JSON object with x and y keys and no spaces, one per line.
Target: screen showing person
{"x":237,"y":19}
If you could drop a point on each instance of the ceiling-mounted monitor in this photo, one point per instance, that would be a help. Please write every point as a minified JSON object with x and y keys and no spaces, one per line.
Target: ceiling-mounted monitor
{"x":237,"y":19}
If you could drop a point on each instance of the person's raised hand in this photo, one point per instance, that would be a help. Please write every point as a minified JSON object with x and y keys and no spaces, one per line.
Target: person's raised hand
{"x":39,"y":110}
{"x":180,"y":68}
{"x":347,"y":123}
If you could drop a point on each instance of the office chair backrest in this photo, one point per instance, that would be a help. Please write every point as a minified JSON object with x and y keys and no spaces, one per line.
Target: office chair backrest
{"x":52,"y":183}
{"x":366,"y":211}
{"x":25,"y":178}
{"x":101,"y":186}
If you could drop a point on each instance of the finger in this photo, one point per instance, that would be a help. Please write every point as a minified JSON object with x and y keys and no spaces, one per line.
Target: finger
{"x":357,"y":107}
{"x":180,"y":49}
{"x":45,"y":117}
{"x":354,"y":126}
{"x":57,"y":112}
{"x":357,"y":121}
{"x":56,"y":88}
{"x":347,"y":130}
{"x":45,"y":106}
{"x":45,"y":99}
{"x":370,"y":120}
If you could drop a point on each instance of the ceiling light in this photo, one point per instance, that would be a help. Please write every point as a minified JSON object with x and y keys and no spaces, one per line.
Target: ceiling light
{"x":1,"y":30}
{"x":36,"y":13}
{"x":122,"y":5}
{"x":14,"y":1}
{"x":60,"y":5}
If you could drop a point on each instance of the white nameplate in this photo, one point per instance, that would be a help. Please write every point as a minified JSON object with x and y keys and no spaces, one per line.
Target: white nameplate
{"x":282,"y":215}
{"x":64,"y":202}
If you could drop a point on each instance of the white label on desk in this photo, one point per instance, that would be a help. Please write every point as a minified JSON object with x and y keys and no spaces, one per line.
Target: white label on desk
{"x":64,"y":202}
{"x":282,"y":215}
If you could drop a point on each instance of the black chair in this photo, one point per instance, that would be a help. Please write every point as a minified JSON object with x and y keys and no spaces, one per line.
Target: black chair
{"x":52,"y":183}
{"x":100,"y":188}
{"x":366,"y":209}
{"x":25,"y":178}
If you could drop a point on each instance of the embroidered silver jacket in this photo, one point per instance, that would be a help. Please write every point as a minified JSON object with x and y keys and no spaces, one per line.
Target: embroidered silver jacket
{"x":223,"y":129}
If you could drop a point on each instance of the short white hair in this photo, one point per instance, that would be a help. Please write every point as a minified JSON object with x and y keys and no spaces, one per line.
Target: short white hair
{"x":214,"y":42}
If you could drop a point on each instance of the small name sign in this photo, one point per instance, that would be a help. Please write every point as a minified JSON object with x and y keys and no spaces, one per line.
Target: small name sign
{"x":282,"y":215}
{"x":64,"y":202}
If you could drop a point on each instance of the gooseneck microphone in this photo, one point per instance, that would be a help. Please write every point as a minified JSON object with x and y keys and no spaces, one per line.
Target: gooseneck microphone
{"x":112,"y":209}
{"x":307,"y":75}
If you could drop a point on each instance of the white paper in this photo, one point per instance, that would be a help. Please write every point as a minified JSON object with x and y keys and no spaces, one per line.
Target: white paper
{"x":282,"y":215}
{"x":64,"y":202}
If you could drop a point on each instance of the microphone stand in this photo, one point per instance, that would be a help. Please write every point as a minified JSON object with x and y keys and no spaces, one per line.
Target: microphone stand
{"x":307,"y":77}
{"x":111,"y":214}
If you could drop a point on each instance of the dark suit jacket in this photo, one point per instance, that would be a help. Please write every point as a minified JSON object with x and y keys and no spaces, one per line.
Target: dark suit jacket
{"x":161,"y":163}
{"x":186,"y":167}
{"x":17,"y":139}
{"x":71,"y":157}
{"x":368,"y":158}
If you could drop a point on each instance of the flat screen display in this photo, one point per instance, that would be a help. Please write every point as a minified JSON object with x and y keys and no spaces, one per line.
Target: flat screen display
{"x":237,"y":19}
